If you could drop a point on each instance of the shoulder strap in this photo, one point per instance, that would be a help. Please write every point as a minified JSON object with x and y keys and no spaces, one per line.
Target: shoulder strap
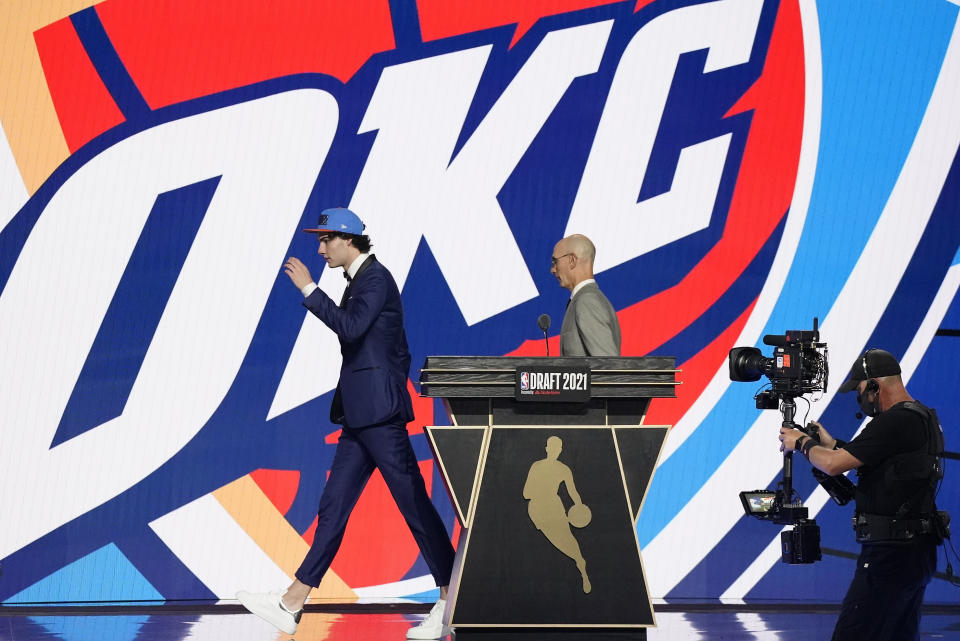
{"x":932,"y":422}
{"x":934,"y":450}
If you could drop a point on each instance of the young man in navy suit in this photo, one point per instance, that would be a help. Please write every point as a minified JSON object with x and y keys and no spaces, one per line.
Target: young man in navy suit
{"x":373,"y":406}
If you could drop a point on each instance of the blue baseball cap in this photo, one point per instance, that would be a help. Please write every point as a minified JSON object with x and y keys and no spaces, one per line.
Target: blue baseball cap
{"x":338,"y":219}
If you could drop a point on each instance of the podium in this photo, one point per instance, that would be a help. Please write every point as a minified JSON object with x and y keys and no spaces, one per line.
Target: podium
{"x":547,"y":462}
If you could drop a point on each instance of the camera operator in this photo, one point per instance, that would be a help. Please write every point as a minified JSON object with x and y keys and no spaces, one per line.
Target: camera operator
{"x":897,"y":461}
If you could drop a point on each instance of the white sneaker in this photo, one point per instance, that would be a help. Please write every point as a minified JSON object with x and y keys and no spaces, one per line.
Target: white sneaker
{"x":269,"y":608}
{"x":432,"y":627}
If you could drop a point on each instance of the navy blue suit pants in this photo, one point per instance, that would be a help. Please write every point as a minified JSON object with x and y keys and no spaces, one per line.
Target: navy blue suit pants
{"x":385,"y":447}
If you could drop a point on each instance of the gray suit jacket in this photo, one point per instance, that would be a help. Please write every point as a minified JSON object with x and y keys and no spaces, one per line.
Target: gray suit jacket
{"x":590,"y":326}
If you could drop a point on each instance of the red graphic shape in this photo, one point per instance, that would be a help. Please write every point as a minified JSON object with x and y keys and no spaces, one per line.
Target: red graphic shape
{"x":84,"y":106}
{"x":377,"y":546}
{"x":422,"y":410}
{"x":176,"y":50}
{"x":697,"y":373}
{"x":384,"y":553}
{"x":762,"y":194}
{"x":444,"y":18}
{"x":280,"y":486}
{"x":312,"y":530}
{"x":536,"y":347}
{"x":368,"y":626}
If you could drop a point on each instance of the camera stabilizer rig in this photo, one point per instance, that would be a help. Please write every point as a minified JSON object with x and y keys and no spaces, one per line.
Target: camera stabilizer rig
{"x":798,"y":367}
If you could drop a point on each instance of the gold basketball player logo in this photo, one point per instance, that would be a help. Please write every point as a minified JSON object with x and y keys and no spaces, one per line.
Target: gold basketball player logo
{"x":546,"y":508}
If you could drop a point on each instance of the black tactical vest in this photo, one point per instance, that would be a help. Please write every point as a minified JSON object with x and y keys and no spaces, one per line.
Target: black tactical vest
{"x":923,"y":464}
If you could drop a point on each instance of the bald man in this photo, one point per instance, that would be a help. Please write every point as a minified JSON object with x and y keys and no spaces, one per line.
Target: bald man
{"x":898,"y":458}
{"x":590,"y":326}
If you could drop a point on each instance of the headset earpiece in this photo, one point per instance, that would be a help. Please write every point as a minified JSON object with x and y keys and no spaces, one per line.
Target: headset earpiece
{"x":872,"y":384}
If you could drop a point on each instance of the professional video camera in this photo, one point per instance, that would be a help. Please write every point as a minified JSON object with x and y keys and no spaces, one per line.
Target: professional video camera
{"x":798,"y":367}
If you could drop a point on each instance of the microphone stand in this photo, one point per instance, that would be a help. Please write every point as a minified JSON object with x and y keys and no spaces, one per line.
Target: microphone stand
{"x":544,"y":324}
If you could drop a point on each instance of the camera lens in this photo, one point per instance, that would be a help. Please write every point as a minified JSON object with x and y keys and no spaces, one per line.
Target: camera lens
{"x":746,"y":364}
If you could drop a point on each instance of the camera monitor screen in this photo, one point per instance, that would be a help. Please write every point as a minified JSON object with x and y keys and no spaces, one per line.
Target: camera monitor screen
{"x":758,"y":502}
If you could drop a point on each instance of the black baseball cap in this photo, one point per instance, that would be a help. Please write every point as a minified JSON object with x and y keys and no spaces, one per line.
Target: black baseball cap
{"x":873,"y":363}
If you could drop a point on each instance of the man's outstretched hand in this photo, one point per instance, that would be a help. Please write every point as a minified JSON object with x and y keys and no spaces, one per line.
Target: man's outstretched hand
{"x":297,"y":272}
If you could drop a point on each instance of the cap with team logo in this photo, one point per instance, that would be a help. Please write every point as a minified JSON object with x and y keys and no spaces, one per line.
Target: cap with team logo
{"x":873,"y":363}
{"x":338,"y":219}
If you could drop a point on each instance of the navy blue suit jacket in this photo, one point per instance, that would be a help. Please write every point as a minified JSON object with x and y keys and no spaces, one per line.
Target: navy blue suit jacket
{"x":376,"y":360}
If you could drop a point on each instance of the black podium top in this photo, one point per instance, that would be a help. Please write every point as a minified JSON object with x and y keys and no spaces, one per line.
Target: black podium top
{"x":481,"y":389}
{"x":493,"y":376}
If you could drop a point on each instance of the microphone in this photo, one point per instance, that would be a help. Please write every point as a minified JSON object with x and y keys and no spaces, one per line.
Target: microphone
{"x":544,"y":324}
{"x":776,"y":340}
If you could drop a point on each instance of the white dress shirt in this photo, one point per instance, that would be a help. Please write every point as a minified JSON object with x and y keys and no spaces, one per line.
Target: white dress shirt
{"x":351,"y":271}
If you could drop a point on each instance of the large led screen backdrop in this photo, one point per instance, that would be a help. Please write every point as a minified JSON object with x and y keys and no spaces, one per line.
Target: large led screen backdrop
{"x":742,"y":166}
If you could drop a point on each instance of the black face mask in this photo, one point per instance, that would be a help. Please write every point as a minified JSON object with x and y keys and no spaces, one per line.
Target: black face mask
{"x":870,"y":408}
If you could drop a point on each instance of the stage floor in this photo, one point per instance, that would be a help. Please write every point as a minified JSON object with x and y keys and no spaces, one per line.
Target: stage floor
{"x":228,"y":623}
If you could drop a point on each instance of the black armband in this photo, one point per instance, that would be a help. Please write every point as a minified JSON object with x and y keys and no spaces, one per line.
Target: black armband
{"x":799,"y":442}
{"x":808,"y":445}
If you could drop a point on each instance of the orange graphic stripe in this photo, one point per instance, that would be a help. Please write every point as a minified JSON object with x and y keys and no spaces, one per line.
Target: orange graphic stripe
{"x":252,"y":510}
{"x":26,"y":109}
